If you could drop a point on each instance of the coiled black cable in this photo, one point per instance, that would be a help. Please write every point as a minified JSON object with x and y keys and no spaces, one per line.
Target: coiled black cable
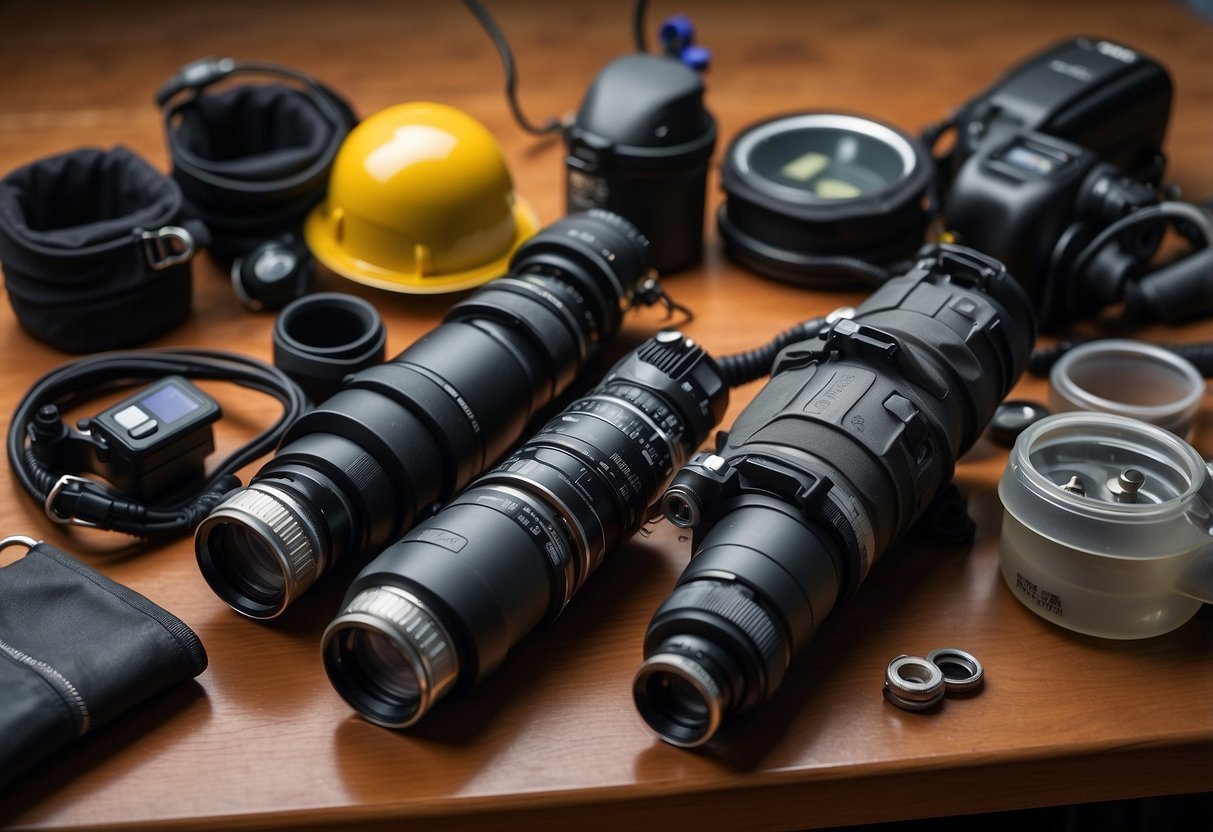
{"x":79,"y":381}
{"x":748,"y":366}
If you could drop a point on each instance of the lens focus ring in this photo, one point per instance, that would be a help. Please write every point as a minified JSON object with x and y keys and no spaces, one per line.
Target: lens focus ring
{"x":413,"y":633}
{"x":255,"y":553}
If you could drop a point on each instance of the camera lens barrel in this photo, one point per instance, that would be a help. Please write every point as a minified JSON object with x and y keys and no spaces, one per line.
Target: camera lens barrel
{"x":831,"y":463}
{"x":402,"y":437}
{"x":511,"y":551}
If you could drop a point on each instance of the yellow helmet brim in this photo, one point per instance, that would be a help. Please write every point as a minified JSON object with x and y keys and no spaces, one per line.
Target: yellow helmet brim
{"x":323,"y":245}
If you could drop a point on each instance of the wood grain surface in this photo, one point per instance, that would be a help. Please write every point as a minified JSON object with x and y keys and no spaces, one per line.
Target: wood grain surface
{"x":262,"y":741}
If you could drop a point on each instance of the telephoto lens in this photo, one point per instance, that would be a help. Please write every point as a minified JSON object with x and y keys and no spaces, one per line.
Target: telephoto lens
{"x":439,"y":610}
{"x":848,"y":443}
{"x":399,"y":439}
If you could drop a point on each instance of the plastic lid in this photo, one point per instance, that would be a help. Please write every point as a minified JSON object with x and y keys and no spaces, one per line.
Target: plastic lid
{"x":1128,"y":378}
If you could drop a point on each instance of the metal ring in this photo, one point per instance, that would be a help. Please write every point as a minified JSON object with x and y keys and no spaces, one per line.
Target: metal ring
{"x":962,"y":672}
{"x":18,"y":540}
{"x":913,"y":683}
{"x":48,"y":505}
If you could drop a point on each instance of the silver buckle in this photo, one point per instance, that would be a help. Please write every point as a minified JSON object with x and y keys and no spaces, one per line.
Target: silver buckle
{"x":49,"y":505}
{"x":167,"y":246}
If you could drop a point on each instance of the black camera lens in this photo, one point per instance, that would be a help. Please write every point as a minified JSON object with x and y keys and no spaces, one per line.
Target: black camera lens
{"x":678,"y":699}
{"x":809,"y":194}
{"x":390,"y":658}
{"x":400,"y":438}
{"x":832,"y":462}
{"x":385,"y":666}
{"x":512,"y":550}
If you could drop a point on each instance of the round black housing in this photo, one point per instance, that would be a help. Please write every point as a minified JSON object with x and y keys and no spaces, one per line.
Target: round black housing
{"x":640,"y":147}
{"x":829,"y":200}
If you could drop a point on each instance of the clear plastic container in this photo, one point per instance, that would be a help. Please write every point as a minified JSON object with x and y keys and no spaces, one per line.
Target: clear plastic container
{"x":1092,"y":546}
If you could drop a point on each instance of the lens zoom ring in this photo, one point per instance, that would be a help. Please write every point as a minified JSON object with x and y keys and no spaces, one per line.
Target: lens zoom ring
{"x":727,"y":602}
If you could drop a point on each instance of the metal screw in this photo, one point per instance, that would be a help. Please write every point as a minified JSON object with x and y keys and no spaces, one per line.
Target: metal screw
{"x":1126,"y":485}
{"x":1074,"y":485}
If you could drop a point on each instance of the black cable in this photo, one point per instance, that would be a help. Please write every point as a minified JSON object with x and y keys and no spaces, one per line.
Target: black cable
{"x":638,"y":34}
{"x":1163,"y":210}
{"x":551,"y":125}
{"x":1200,"y":354}
{"x":745,"y":367}
{"x":870,"y":274}
{"x":78,"y":381}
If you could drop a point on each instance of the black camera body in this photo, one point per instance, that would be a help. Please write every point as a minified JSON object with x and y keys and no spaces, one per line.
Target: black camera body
{"x":1063,"y":148}
{"x":1035,"y":202}
{"x":1102,"y":95}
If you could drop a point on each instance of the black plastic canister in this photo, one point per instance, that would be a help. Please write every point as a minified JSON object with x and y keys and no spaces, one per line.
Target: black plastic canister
{"x":640,"y":147}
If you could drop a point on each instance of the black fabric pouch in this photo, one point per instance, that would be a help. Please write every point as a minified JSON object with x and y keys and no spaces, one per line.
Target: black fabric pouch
{"x":95,"y":251}
{"x":76,"y":650}
{"x":253,"y":160}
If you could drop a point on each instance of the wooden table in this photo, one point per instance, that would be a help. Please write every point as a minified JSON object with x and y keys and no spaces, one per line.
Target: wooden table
{"x":262,"y":740}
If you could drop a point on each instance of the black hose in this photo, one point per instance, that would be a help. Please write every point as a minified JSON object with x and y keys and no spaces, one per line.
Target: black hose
{"x":551,"y":125}
{"x":1200,"y":354}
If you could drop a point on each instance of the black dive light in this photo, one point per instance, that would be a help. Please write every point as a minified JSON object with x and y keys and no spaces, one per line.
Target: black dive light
{"x":833,"y":461}
{"x":401,"y":438}
{"x":642,"y":138}
{"x":438,"y":610}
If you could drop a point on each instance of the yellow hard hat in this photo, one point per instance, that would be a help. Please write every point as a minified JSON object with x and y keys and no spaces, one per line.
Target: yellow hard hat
{"x":420,"y":201}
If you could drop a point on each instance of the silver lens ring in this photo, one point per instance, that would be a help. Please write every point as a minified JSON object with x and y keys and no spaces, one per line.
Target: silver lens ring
{"x":913,"y":683}
{"x":962,"y":672}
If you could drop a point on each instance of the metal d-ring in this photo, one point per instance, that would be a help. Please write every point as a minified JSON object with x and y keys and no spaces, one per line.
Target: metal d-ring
{"x":167,"y":246}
